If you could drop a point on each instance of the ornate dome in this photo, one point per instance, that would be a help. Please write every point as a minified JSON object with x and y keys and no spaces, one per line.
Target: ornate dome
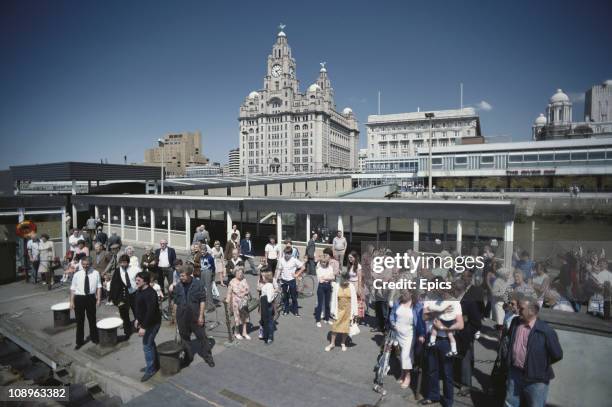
{"x":314,"y":87}
{"x":253,"y":95}
{"x":559,"y":96}
{"x":540,"y":120}
{"x":347,"y":111}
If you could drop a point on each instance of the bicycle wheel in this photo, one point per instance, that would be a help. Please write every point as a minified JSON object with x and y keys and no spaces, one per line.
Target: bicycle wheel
{"x":306,"y":286}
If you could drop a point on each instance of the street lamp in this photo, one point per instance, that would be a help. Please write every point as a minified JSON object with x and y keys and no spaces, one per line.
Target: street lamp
{"x":162,"y":145}
{"x":244,"y":133}
{"x":430,"y":116}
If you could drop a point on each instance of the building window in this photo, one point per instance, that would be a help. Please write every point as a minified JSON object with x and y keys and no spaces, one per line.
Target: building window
{"x":562,"y":157}
{"x":460,"y":160}
{"x":546,"y":157}
{"x":436,"y":161}
{"x":487,"y":159}
{"x":515,"y":158}
{"x":579,"y":156}
{"x":597,"y":155}
{"x":530,"y":157}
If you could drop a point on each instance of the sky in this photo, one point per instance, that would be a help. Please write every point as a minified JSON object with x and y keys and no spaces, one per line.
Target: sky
{"x":84,"y":80}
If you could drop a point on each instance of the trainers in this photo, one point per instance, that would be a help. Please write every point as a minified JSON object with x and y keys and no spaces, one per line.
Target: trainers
{"x":319,"y":325}
{"x":329,"y":322}
{"x":269,"y":342}
{"x":297,"y":315}
{"x":343,"y":347}
{"x":329,"y":347}
{"x":247,"y":337}
{"x":238,"y":336}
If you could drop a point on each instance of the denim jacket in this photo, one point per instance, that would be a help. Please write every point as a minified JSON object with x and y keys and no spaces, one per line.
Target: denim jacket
{"x":418,"y":323}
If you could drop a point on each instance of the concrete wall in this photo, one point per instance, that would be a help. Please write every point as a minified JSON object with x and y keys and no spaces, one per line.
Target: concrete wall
{"x":273,"y":190}
{"x":257,"y":191}
{"x":217,"y":191}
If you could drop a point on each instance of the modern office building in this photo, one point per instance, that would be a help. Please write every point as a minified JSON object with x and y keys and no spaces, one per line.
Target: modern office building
{"x":363,"y":155}
{"x":203,"y":170}
{"x":234,"y":161}
{"x":392,"y":136}
{"x":557,"y":124}
{"x":180,"y":150}
{"x":598,"y":103}
{"x":283,"y":129}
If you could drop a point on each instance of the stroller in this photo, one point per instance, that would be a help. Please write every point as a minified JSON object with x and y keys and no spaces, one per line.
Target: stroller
{"x":382,"y":367}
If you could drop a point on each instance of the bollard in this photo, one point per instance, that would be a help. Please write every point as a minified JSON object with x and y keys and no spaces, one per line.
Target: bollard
{"x":61,"y":314}
{"x":107,"y":331}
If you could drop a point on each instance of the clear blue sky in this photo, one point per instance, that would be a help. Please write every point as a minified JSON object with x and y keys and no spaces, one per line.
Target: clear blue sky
{"x":84,"y":80}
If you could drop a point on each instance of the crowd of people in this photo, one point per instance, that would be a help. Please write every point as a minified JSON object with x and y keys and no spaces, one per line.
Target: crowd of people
{"x":435,"y":329}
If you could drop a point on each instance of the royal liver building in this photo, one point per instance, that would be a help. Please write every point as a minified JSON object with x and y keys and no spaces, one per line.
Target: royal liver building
{"x":285,"y":130}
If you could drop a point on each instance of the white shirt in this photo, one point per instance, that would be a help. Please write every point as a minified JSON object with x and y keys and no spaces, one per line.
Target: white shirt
{"x":440,"y":306}
{"x":73,"y":241}
{"x":288,"y":268}
{"x":78,"y":282}
{"x":237,"y":232}
{"x":131,"y":272}
{"x":272,"y":251}
{"x":603,"y":276}
{"x":268,"y":291}
{"x":163,"y":258}
{"x":33,"y":249}
{"x":325,"y":274}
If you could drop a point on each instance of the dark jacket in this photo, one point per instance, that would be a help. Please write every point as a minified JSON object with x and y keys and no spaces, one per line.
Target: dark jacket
{"x":118,"y":290}
{"x":146,"y":308}
{"x":171,"y":257}
{"x":188,"y":306}
{"x":244,"y":248}
{"x":471,"y":308}
{"x":543,"y":349}
{"x":114,"y":239}
{"x":101,"y":238}
{"x":101,"y":261}
{"x":310,"y":249}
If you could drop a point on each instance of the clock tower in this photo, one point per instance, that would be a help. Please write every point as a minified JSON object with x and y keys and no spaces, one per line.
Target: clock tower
{"x":284,"y":130}
{"x":280,"y":79}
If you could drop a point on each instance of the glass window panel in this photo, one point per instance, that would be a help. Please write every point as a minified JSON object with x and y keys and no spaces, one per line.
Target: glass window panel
{"x":579,"y":156}
{"x":515,"y":158}
{"x":460,"y":160}
{"x":597,"y":155}
{"x":130,"y":219}
{"x":487,"y":159}
{"x":562,"y":156}
{"x":546,"y":157}
{"x":144,"y":217}
{"x":530,"y":157}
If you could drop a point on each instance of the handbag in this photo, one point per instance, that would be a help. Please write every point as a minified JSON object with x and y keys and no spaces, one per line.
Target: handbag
{"x":354,"y":329}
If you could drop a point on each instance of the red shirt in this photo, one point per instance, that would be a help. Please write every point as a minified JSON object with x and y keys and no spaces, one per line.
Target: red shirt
{"x":519,"y":348}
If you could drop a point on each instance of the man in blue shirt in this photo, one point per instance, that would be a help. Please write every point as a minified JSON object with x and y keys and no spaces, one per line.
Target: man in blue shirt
{"x":526,"y":265}
{"x":247,"y":252}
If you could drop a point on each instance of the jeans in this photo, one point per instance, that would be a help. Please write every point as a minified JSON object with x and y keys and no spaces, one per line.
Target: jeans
{"x":438,"y":364}
{"x":150,"y":350}
{"x":34,"y":268}
{"x":534,"y":394}
{"x":267,"y":318}
{"x":323,"y":300}
{"x":289,"y":288}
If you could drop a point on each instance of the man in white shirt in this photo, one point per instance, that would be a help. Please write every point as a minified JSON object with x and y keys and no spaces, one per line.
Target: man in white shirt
{"x":272,"y":251}
{"x":73,"y":240}
{"x":33,"y":247}
{"x":289,"y":268}
{"x":339,"y":245}
{"x":234,"y":230}
{"x":165,"y":258}
{"x":85,"y":292}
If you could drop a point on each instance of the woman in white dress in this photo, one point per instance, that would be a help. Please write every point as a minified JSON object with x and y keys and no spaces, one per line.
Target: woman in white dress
{"x":217,"y":254}
{"x":406,"y":319}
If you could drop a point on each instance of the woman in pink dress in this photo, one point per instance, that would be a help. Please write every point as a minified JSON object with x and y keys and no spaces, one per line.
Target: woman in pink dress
{"x":237,"y":297}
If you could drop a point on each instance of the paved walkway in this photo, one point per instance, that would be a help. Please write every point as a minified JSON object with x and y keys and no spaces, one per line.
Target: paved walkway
{"x":293,"y":371}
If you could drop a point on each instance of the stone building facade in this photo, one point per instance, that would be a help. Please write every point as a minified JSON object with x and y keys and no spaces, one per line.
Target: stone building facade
{"x":285,"y":130}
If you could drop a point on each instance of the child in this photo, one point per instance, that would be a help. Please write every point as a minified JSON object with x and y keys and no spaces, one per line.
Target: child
{"x":268,"y":293}
{"x":106,"y":288}
{"x":447,"y":310}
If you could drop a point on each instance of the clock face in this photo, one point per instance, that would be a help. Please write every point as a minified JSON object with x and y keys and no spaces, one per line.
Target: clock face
{"x":292,"y":72}
{"x":276,"y":71}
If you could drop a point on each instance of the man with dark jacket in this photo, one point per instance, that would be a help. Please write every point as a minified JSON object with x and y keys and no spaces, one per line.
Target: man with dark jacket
{"x":310,"y":255}
{"x":470,"y":298}
{"x":165,"y":257}
{"x":189,"y":308}
{"x":534,"y":347}
{"x":123,"y":291}
{"x":148,"y":321}
{"x":247,"y":252}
